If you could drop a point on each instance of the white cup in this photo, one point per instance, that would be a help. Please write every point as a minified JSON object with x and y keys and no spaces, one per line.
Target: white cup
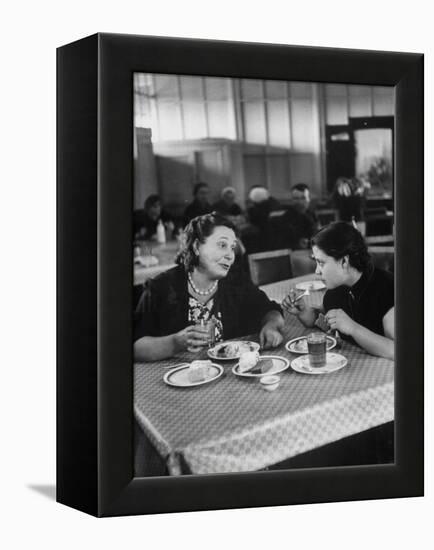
{"x":270,"y":382}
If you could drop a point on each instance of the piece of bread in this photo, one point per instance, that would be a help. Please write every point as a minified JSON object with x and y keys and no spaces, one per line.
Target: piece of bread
{"x":322,"y":323}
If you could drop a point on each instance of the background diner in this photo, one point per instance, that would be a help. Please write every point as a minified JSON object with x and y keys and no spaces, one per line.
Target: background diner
{"x":282,"y":159}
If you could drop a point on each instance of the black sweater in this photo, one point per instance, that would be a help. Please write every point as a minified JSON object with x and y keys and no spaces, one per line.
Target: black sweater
{"x":163,"y":306}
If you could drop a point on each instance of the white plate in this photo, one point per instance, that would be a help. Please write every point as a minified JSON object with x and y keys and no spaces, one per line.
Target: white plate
{"x":310,"y":285}
{"x":278,"y":364}
{"x":299,"y":345}
{"x":242,"y":345}
{"x":178,"y":376}
{"x":334,"y":362}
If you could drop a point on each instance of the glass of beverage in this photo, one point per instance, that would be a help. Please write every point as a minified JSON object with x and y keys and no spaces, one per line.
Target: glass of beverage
{"x":210,"y":328}
{"x":204,"y":327}
{"x":316,"y":345}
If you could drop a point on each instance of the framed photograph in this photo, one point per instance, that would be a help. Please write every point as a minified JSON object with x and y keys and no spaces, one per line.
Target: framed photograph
{"x":234,"y":326}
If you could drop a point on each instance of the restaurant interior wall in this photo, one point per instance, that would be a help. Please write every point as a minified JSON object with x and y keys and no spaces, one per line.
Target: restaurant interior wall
{"x":238,"y":132}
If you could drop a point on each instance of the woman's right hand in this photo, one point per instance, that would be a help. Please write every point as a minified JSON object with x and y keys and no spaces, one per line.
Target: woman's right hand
{"x":305,"y":314}
{"x":191,"y":336}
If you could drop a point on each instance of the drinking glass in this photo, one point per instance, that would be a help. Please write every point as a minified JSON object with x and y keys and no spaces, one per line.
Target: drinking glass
{"x":203,"y":326}
{"x":316,"y":345}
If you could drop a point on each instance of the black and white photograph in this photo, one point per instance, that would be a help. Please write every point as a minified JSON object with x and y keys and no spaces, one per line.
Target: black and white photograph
{"x":216,"y":285}
{"x":263,"y":250}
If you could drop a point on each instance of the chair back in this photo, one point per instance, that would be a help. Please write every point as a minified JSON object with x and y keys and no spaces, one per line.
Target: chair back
{"x":383,"y":257}
{"x":302,"y":263}
{"x":269,"y":267}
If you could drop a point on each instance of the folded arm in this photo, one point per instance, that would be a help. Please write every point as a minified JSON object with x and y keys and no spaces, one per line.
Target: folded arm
{"x":382,"y":346}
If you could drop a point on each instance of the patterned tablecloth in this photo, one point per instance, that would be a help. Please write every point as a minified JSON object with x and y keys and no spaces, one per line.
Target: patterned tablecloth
{"x":233,"y":425}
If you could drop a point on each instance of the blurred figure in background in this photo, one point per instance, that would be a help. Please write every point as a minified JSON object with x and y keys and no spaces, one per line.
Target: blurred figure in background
{"x":256,"y":235}
{"x":227,"y":205}
{"x":349,"y":198}
{"x":146,"y":221}
{"x":200,"y":204}
{"x":299,"y":223}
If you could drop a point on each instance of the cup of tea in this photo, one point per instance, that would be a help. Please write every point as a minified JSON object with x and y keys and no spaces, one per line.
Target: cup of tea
{"x":317,"y":348}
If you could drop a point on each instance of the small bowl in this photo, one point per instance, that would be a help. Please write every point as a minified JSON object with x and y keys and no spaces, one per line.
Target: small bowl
{"x":270,"y":382}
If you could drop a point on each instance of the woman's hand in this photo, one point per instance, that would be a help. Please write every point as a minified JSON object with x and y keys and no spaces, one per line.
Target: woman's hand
{"x":339,"y":320}
{"x":270,"y":336}
{"x":191,"y":336}
{"x":294,"y":308}
{"x":306,"y":315}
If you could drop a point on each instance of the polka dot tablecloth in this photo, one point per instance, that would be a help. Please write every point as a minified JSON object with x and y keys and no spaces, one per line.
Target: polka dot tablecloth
{"x":233,"y":425}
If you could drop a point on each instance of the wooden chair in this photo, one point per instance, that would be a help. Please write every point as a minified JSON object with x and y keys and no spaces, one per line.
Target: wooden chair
{"x":302,"y":263}
{"x":380,"y":240}
{"x":269,"y":267}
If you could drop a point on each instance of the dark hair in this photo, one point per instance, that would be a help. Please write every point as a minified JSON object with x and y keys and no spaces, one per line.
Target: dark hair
{"x":300,"y":187}
{"x":198,"y":230}
{"x":341,"y":239}
{"x":151,"y":201}
{"x":198,"y":187}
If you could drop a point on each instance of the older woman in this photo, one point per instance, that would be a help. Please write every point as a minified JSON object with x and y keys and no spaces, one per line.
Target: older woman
{"x":201,"y":288}
{"x":359,"y":301}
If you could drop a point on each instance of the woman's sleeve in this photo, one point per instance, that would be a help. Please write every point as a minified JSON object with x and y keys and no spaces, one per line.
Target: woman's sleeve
{"x":257,"y":302}
{"x":146,"y":313}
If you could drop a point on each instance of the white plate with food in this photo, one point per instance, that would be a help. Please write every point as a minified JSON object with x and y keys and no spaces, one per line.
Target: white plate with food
{"x":228,"y":351}
{"x":265,"y":365}
{"x":310,"y":285}
{"x":334,"y":362}
{"x":193,"y":374}
{"x":299,"y":345}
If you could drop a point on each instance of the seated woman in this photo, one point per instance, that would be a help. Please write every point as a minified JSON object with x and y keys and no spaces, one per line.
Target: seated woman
{"x":201,"y":287}
{"x":359,"y":301}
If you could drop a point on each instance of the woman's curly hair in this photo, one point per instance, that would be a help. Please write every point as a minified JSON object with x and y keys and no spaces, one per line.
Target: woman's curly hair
{"x":197,"y":231}
{"x":341,"y":239}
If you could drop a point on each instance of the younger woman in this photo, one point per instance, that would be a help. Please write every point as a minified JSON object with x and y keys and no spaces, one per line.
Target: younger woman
{"x":359,"y":301}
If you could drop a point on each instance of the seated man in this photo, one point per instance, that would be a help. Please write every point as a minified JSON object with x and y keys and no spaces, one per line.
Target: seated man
{"x":146,"y":220}
{"x":299,"y":223}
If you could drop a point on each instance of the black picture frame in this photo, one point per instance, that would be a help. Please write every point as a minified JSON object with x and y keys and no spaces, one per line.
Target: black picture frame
{"x":94,"y":274}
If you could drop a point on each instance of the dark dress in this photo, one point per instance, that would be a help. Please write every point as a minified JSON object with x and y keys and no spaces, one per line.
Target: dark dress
{"x":350,"y":207}
{"x":367,"y":301}
{"x":163,"y":306}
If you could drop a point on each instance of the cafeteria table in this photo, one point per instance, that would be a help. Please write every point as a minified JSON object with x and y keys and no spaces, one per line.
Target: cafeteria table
{"x":233,"y":425}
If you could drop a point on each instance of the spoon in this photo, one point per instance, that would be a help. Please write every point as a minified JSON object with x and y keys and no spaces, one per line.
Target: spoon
{"x":295,"y":300}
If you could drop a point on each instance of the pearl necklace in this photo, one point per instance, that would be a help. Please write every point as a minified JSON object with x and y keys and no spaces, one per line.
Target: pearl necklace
{"x":202,"y":292}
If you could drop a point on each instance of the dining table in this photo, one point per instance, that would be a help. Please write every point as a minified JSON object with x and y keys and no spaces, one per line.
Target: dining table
{"x":233,"y":425}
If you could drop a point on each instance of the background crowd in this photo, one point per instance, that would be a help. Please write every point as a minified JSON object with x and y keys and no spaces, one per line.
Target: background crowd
{"x":264,"y":223}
